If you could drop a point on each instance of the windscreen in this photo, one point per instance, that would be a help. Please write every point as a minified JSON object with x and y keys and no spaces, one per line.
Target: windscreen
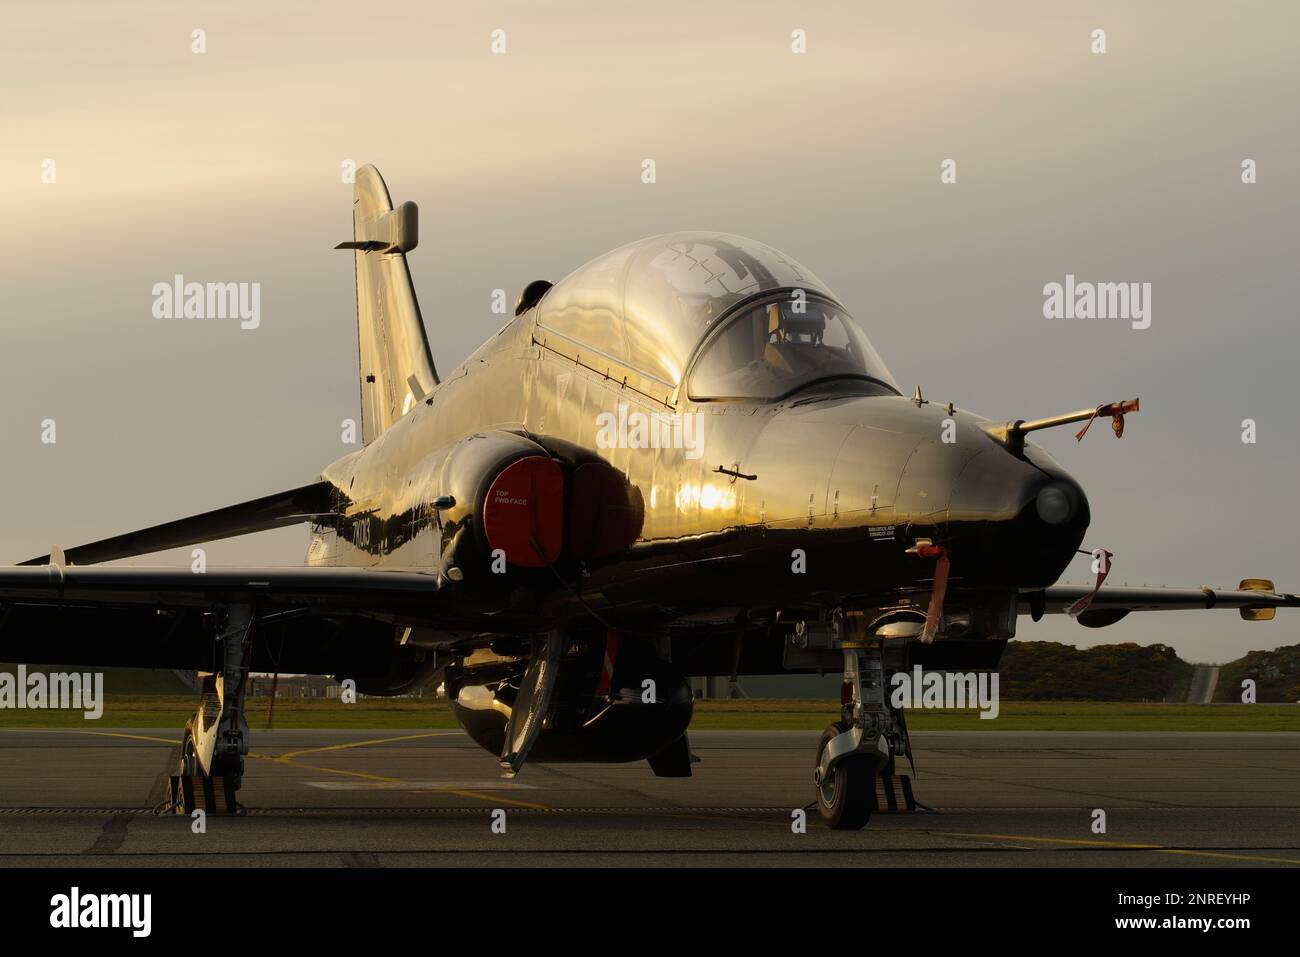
{"x":782,"y":344}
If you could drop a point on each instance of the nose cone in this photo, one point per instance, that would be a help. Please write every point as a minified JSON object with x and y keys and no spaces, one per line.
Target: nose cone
{"x":1015,"y":521}
{"x":901,"y":472}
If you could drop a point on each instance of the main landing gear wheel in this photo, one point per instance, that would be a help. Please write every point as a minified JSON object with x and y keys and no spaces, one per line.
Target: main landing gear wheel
{"x":191,"y":790}
{"x":189,"y":764}
{"x":847,"y":797}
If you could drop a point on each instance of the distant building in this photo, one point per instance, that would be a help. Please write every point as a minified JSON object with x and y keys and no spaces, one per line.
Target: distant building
{"x":293,"y":686}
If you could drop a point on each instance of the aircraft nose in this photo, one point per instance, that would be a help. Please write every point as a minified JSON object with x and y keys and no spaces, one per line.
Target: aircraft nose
{"x":1015,"y":522}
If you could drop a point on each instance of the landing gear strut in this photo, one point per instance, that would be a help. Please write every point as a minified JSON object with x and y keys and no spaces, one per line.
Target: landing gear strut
{"x":210,"y":768}
{"x":855,"y":757}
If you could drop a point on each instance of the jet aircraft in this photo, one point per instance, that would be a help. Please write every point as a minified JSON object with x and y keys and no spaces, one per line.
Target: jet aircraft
{"x":684,"y":459}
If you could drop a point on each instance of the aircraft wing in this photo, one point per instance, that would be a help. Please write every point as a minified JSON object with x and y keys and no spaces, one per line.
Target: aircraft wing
{"x":323,"y":589}
{"x":1255,"y":599}
{"x":314,"y":620}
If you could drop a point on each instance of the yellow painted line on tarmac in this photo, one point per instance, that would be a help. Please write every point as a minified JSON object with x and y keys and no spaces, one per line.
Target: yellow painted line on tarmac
{"x":133,"y":737}
{"x":380,"y":779}
{"x":1230,"y":857}
{"x":1117,"y":845}
{"x":291,"y":759}
{"x":362,"y":744}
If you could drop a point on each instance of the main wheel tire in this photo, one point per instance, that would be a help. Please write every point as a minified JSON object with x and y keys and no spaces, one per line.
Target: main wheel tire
{"x":188,"y":766}
{"x":847,"y":797}
{"x":189,"y":762}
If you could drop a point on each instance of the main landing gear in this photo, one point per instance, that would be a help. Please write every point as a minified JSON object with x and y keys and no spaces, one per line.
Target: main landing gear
{"x":854,"y":776}
{"x":210,"y":768}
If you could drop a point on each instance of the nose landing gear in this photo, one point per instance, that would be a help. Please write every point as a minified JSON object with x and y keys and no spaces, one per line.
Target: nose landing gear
{"x":854,"y":775}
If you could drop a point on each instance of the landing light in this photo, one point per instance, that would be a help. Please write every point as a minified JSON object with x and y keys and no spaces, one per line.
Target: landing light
{"x":1054,"y":505}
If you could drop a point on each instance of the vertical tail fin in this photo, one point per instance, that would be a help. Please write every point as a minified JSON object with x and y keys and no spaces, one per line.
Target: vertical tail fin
{"x":397,"y":368}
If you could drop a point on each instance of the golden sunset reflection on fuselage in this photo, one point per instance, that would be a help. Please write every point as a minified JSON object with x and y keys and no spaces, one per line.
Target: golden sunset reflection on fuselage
{"x":707,"y":497}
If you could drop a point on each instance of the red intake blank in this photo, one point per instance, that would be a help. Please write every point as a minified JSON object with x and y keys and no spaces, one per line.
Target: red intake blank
{"x":524,"y":510}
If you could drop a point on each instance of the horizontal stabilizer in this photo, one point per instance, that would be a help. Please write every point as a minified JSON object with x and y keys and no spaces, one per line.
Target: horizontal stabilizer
{"x":260,"y":515}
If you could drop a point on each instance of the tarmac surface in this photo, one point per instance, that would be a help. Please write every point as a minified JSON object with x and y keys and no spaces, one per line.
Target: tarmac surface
{"x":410,"y":798}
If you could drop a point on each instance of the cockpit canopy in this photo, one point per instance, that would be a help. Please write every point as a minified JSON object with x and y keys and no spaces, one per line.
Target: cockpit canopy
{"x":782,"y":343}
{"x":648,"y":305}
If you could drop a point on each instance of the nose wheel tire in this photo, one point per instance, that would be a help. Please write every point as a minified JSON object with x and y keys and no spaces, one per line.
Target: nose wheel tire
{"x":847,"y":797}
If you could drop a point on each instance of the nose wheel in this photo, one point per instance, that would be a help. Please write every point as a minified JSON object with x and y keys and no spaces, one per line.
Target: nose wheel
{"x":854,"y":774}
{"x":846,"y":796}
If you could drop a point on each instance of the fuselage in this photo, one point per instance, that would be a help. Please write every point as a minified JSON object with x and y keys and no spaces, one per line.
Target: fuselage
{"x":816,"y":497}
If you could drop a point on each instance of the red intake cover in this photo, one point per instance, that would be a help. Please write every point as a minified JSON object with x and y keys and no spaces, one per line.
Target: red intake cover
{"x":526,"y":502}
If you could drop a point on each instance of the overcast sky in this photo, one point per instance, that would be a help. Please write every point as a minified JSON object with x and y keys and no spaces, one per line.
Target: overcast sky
{"x":225,"y":166}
